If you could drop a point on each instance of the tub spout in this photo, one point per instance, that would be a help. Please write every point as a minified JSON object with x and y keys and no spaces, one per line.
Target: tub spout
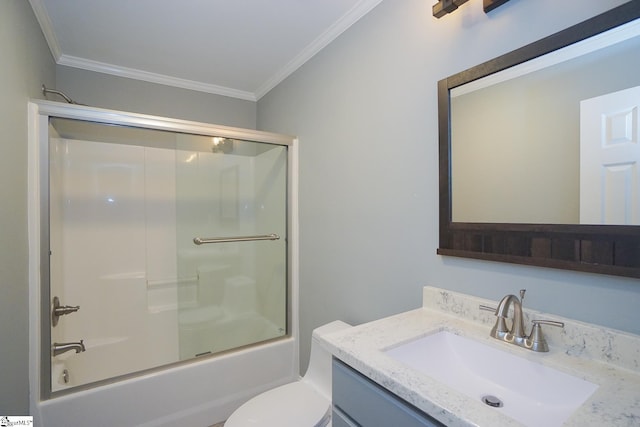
{"x":59,"y":348}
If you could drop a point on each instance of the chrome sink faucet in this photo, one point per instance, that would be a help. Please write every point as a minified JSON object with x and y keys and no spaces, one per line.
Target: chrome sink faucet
{"x":500,"y":330}
{"x":517,"y":335}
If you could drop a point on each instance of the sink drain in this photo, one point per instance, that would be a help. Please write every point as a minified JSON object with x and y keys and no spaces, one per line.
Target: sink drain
{"x":492,"y":401}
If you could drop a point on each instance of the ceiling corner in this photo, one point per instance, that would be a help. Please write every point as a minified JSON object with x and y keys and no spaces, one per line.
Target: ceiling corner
{"x":42,"y":16}
{"x":359,"y":10}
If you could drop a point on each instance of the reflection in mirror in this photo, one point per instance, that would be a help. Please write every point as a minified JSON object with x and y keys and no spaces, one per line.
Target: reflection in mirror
{"x":518,"y":136}
{"x":526,"y":143}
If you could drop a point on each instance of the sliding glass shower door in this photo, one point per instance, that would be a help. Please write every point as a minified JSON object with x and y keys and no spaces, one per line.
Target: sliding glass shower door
{"x":164,"y":247}
{"x":231,"y":244}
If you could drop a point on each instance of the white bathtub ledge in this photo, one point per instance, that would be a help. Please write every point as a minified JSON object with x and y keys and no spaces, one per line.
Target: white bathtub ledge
{"x":603,"y":356}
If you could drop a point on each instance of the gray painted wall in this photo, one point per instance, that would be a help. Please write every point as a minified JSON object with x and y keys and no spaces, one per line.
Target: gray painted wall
{"x":365,"y":111}
{"x":120,"y":93}
{"x":26,"y":65}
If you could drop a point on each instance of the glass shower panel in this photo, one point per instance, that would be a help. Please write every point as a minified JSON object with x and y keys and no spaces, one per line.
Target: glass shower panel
{"x":231,"y":238}
{"x":134,"y":291}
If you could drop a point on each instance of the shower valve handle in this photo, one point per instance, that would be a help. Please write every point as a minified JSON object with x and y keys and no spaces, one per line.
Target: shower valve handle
{"x":61,"y":310}
{"x":65,"y":309}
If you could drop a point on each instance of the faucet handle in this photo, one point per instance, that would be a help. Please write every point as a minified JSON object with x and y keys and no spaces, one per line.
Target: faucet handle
{"x":548,"y":322}
{"x":522,"y":292}
{"x":538,"y":341}
{"x":61,"y":310}
{"x":487,"y":308}
{"x":500,"y":328}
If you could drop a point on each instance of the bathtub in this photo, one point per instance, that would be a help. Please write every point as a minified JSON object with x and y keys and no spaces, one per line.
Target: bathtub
{"x":198,"y":394}
{"x":106,"y":358}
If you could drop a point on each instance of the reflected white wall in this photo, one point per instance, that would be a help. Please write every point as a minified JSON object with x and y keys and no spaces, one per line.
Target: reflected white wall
{"x":527,"y":129}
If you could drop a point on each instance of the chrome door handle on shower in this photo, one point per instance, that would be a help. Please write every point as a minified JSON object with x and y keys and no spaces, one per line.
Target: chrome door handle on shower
{"x":61,"y":310}
{"x":203,"y":240}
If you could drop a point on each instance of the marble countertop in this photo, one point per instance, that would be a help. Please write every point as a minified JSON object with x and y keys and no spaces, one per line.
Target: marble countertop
{"x":602,"y":356}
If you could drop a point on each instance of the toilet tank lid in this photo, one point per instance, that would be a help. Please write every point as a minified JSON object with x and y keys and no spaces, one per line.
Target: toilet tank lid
{"x":335,"y":326}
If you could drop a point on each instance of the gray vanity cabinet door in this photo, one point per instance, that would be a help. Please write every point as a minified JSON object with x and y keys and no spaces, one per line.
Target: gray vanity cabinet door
{"x":338,"y":419}
{"x":360,"y":402}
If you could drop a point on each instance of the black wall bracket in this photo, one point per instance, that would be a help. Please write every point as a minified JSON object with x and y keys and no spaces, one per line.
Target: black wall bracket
{"x":444,"y":7}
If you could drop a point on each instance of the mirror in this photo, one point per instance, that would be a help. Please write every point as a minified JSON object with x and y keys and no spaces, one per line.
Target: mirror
{"x":539,"y":151}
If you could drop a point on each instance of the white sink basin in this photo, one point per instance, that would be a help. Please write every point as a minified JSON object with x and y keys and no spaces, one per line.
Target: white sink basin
{"x":531,"y":393}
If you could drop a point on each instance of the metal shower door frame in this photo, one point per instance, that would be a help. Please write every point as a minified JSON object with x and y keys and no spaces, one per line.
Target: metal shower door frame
{"x":38,"y":224}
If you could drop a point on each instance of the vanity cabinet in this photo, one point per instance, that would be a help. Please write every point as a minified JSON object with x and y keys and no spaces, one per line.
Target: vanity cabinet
{"x":360,"y":402}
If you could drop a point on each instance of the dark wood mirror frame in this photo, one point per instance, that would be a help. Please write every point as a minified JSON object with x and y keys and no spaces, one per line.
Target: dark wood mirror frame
{"x":604,"y":249}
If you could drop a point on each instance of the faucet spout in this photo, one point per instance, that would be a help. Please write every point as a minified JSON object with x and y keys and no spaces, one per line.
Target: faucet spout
{"x":502,"y":312}
{"x":59,"y":348}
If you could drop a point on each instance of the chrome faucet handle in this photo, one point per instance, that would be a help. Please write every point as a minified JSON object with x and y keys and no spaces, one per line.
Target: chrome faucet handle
{"x":61,"y":310}
{"x":487,"y":308}
{"x":500,"y":325}
{"x":548,"y":322}
{"x":500,"y":328}
{"x":538,"y":341}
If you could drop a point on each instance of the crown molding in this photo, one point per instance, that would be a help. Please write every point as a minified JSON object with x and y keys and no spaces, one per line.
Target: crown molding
{"x":47,"y":28}
{"x":132,"y":73}
{"x":359,"y":10}
{"x":351,"y":17}
{"x":42,"y":17}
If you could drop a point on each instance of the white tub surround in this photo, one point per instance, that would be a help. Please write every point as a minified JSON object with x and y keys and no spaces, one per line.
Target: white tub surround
{"x":608,"y":358}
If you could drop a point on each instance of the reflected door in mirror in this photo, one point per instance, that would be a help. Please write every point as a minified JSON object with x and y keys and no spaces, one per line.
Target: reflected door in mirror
{"x":609,"y":158}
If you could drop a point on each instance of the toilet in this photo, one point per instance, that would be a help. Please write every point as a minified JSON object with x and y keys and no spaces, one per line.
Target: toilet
{"x":303,"y":403}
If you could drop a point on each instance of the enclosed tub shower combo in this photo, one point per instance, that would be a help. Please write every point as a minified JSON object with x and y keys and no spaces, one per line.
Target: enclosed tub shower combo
{"x":162,"y":266}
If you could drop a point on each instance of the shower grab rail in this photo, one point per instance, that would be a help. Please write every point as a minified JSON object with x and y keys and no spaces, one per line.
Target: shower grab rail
{"x":205,"y":240}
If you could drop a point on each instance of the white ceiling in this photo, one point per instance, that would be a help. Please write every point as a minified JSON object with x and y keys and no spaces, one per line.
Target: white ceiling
{"x":237,"y":48}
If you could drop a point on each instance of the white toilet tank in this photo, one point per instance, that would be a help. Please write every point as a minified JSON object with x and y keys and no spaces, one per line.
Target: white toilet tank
{"x":319,"y":371}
